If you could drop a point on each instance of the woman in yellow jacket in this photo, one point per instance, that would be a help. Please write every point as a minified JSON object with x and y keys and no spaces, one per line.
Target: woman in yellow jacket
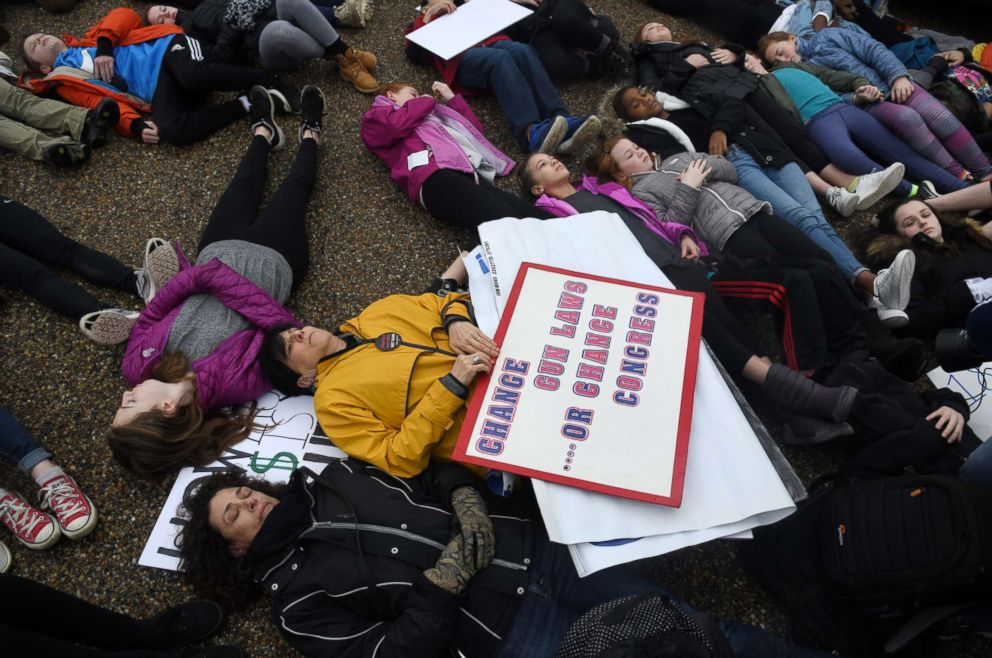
{"x":391,"y":383}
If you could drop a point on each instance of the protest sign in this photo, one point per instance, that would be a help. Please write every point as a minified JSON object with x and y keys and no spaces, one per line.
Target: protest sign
{"x":452,"y":34}
{"x":590,"y":368}
{"x":290,"y":438}
{"x":974,"y":385}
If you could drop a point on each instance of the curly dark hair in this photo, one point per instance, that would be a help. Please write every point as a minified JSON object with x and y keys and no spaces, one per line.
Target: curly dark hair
{"x":207,"y":563}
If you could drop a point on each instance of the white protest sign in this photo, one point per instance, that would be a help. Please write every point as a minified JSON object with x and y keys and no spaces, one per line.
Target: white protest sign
{"x":475,"y":21}
{"x":590,"y":368}
{"x":292,"y":438}
{"x":974,"y":385}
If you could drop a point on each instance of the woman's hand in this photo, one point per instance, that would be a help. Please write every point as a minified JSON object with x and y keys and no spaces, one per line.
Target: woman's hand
{"x":953,"y":57}
{"x":867,"y":94}
{"x":440,"y":9}
{"x":950,"y":423}
{"x":696,"y":173}
{"x":466,"y":338}
{"x":690,"y":250}
{"x":442,"y":91}
{"x":697,"y":60}
{"x":718,"y":143}
{"x":468,"y":366}
{"x":754,"y":65}
{"x":723,"y":56}
{"x":902,"y":89}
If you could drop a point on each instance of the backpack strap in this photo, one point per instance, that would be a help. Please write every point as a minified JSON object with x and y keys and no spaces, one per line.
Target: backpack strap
{"x":920,"y":622}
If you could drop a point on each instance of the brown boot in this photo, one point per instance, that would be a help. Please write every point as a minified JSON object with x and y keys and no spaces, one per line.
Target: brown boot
{"x":351,"y":69}
{"x":367,"y":59}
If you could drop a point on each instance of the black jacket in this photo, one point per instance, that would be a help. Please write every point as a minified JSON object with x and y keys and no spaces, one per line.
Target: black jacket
{"x":225,"y":43}
{"x":342,"y":560}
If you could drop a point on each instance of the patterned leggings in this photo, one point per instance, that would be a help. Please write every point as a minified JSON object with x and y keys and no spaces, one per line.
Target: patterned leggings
{"x":933,"y":132}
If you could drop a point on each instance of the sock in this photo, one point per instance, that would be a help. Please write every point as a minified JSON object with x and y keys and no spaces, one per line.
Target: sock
{"x":914,"y":189}
{"x":853,"y":185}
{"x":54,"y":471}
{"x":801,"y":395}
{"x":245,"y":103}
{"x":339,"y":47}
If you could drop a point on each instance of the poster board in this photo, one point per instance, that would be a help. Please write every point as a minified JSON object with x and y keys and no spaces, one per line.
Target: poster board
{"x":591,"y":371}
{"x":450,"y":35}
{"x":292,"y":439}
{"x":975,"y":384}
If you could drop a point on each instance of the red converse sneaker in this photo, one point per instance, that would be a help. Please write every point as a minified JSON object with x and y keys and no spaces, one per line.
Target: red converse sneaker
{"x":73,"y":509}
{"x":31,"y":526}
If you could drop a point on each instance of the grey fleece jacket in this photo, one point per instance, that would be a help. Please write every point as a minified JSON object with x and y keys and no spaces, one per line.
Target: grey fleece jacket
{"x":714,"y":211}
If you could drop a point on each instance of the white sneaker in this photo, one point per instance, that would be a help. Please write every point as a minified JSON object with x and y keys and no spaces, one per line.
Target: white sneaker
{"x":872,"y":187}
{"x":928,"y":190}
{"x":892,"y":318}
{"x":161,"y":264}
{"x":844,"y":202}
{"x":893,"y":283}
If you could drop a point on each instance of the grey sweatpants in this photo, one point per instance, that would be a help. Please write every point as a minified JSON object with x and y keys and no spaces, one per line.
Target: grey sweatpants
{"x":29,"y":124}
{"x":300,"y":33}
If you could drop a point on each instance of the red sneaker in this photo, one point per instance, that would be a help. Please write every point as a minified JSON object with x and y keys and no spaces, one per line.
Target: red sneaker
{"x":73,"y":509}
{"x":31,"y":526}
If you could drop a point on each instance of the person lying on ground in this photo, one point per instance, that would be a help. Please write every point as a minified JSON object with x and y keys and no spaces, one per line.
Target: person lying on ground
{"x":392,"y":382}
{"x":537,"y":117}
{"x":454,"y":178}
{"x":152,"y":69}
{"x":278,"y":37}
{"x":434,"y":575}
{"x":194,"y":349}
{"x":49,"y":130}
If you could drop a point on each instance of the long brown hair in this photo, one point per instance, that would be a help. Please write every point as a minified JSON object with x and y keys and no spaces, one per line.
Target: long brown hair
{"x":604,"y":166}
{"x":155,"y":445}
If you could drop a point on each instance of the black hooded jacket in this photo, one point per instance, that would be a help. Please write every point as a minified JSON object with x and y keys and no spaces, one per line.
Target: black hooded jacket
{"x":224,"y":42}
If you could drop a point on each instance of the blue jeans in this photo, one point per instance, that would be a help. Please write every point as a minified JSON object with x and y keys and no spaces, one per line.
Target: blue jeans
{"x":793,"y":199}
{"x":516,"y":76}
{"x":556,"y":597}
{"x":978,"y":468}
{"x":17,"y":446}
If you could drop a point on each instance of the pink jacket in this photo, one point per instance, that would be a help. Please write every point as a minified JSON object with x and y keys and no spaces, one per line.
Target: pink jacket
{"x":670,"y":231}
{"x":392,"y":133}
{"x":231,"y":373}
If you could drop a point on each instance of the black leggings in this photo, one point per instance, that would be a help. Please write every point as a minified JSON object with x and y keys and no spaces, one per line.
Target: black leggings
{"x":457,"y":199}
{"x":769,"y":236}
{"x":282,"y":225}
{"x":572,"y":28}
{"x":178,"y":105}
{"x":36,"y":620}
{"x":740,"y":21}
{"x":26,"y":238}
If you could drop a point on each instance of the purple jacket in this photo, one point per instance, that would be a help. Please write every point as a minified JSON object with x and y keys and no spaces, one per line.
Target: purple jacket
{"x":391,"y":133}
{"x":670,"y":231}
{"x":231,"y":373}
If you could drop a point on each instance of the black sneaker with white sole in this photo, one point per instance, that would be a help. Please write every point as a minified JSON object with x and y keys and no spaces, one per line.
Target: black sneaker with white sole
{"x":262,"y":115}
{"x":285,"y":96}
{"x":100,"y":123}
{"x":312,"y":106}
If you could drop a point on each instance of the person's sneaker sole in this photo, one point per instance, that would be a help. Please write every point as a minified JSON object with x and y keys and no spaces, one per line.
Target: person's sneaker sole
{"x":893,"y":318}
{"x":893,"y":176}
{"x":100,"y":123}
{"x":552,"y":139}
{"x":5,"y":558}
{"x":259,"y":95}
{"x":285,"y":103}
{"x":109,"y":326}
{"x":587,"y":132}
{"x":68,"y":154}
{"x":161,"y":264}
{"x":928,"y":191}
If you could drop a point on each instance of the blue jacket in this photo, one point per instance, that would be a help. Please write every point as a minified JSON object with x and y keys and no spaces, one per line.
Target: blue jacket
{"x":845,"y":50}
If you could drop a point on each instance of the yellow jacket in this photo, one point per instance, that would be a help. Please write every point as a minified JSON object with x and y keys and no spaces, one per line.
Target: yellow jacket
{"x":388,"y":408}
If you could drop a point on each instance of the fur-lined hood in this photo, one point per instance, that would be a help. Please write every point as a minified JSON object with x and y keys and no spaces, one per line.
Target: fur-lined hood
{"x":882,"y":249}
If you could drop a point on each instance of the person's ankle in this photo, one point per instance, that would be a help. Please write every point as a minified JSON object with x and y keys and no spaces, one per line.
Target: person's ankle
{"x":310,"y":134}
{"x":263,"y":132}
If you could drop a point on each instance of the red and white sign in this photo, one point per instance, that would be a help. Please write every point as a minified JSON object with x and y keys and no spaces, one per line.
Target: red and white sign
{"x":593,"y":386}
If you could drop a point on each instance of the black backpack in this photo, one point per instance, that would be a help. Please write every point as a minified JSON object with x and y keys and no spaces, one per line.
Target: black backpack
{"x":646,"y":626}
{"x":866,"y":567}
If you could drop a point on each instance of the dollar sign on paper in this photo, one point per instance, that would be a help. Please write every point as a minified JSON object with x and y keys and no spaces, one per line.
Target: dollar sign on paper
{"x":284,"y":460}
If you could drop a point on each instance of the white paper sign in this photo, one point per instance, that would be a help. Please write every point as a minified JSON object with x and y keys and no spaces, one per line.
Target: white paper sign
{"x":974,"y":385}
{"x":473,"y":22}
{"x":294,"y":439}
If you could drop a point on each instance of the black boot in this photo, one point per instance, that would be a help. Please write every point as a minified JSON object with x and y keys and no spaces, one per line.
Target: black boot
{"x":905,"y":358}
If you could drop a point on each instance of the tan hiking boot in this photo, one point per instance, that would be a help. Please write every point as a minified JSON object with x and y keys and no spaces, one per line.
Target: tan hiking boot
{"x":368,"y":60}
{"x":352,"y":70}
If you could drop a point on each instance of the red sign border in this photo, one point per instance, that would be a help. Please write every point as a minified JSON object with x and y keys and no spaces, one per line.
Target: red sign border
{"x":685,"y":411}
